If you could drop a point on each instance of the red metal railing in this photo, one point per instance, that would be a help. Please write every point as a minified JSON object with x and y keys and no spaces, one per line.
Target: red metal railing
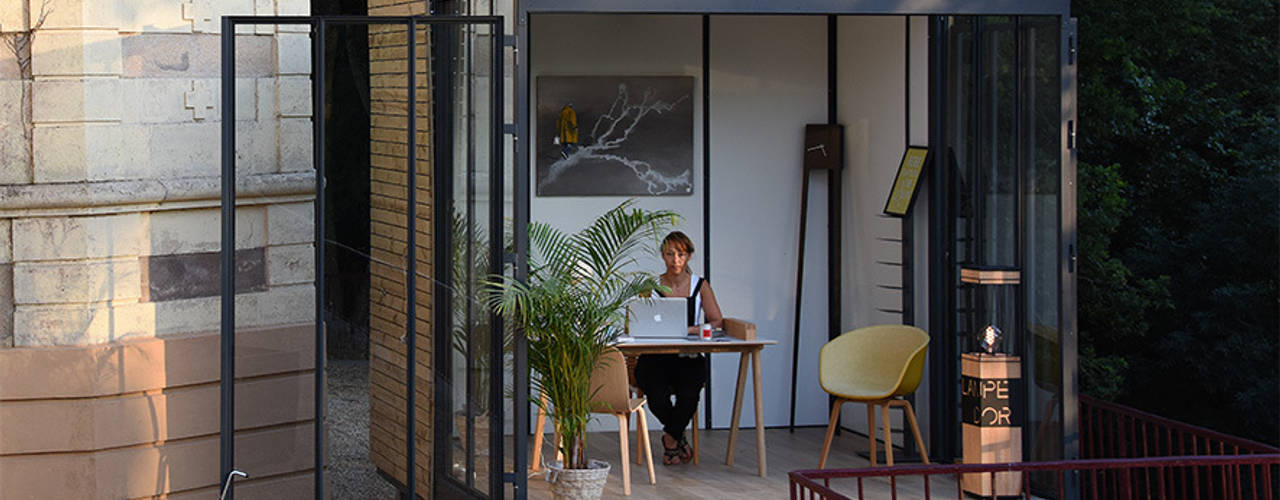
{"x":1109,"y":430}
{"x":1088,"y":477}
{"x":1126,"y":454}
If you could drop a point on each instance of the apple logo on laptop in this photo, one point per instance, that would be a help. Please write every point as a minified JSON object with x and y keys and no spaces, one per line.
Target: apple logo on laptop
{"x":657,"y":318}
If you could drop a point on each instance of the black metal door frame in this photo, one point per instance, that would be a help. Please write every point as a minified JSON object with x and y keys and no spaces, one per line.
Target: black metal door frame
{"x":319,"y":25}
{"x":943,"y":234}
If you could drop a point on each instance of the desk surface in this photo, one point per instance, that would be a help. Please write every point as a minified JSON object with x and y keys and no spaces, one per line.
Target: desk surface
{"x":679,"y":345}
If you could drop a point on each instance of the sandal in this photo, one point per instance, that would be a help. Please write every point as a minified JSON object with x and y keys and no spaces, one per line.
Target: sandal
{"x":686,"y":451}
{"x":671,"y":456}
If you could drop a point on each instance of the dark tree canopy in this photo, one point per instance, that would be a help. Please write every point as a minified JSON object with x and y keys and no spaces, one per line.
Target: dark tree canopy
{"x":1180,"y":209}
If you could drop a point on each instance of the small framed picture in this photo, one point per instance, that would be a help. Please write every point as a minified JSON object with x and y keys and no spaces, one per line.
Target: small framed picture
{"x":907,"y":181}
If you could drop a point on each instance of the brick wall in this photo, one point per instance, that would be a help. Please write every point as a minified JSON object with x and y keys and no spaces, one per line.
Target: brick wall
{"x":388,"y":241}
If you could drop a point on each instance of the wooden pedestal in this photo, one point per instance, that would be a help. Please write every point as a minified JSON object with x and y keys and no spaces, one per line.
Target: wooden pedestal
{"x":990,"y":429}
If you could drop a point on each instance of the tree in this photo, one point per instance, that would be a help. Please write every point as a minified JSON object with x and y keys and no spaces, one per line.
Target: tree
{"x":1179,"y":239}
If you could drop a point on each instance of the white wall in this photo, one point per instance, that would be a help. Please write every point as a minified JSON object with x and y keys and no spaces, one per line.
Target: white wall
{"x":571,"y":45}
{"x":768,"y":79}
{"x":871,"y":75}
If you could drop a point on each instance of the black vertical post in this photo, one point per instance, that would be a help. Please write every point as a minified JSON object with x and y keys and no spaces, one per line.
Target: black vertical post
{"x":835,"y":203}
{"x":942,"y":371}
{"x":520,"y":358}
{"x":317,"y":144}
{"x":706,"y":184}
{"x":411,"y":285}
{"x":228,"y":260}
{"x":908,"y":227}
{"x":496,"y":248}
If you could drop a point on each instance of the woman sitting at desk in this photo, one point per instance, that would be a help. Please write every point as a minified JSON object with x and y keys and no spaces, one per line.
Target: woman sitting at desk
{"x":662,"y":375}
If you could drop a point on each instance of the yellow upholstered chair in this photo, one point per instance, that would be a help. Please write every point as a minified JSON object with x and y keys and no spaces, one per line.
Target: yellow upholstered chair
{"x":876,"y":365}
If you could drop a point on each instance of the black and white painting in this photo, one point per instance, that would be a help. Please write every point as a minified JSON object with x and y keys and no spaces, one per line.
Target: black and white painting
{"x":614,"y":135}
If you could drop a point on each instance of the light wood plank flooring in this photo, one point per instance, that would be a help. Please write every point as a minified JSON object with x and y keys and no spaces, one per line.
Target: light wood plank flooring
{"x":711,"y":478}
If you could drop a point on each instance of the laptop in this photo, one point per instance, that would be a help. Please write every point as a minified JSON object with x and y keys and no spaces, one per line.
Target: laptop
{"x":659,"y":317}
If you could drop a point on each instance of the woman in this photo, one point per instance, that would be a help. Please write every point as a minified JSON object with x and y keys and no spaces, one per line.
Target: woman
{"x":661,"y":376}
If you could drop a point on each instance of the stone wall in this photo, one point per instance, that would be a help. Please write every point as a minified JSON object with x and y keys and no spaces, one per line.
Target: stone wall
{"x":110,"y":226}
{"x":388,"y":87}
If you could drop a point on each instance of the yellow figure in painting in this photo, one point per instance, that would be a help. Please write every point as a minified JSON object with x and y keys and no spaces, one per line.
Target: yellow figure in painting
{"x":567,"y":129}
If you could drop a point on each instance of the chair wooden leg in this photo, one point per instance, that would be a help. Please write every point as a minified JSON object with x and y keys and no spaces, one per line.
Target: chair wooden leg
{"x":537,"y":440}
{"x":644,"y":443}
{"x":871,"y":430}
{"x":915,"y":428}
{"x":888,"y":437}
{"x":623,"y":430}
{"x":695,"y":436}
{"x":641,"y":424}
{"x":831,"y":432}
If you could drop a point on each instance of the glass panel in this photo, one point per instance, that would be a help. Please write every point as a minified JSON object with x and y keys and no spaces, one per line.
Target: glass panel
{"x":468,"y":90}
{"x":275,"y":290}
{"x":1042,"y":157}
{"x":358,"y":442}
{"x":961,"y":156}
{"x":389,"y":257}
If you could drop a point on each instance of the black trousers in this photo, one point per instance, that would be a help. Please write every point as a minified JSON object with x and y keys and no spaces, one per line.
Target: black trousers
{"x":661,"y":376}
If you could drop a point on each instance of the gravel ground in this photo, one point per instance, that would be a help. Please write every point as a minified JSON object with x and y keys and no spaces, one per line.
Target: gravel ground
{"x":351,"y":475}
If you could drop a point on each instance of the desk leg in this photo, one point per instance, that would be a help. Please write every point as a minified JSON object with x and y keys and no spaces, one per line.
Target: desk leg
{"x":737,"y":408}
{"x":755,"y":380}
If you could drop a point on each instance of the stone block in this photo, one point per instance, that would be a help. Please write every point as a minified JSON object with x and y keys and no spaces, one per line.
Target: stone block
{"x":56,"y":238}
{"x":76,"y":53}
{"x":80,"y":324}
{"x":293,"y":51}
{"x":279,"y":305}
{"x":165,"y":100}
{"x":12,"y":15}
{"x":193,"y":275}
{"x":264,"y":8}
{"x":290,"y":223}
{"x":14,"y":153}
{"x":293,"y":95}
{"x":184,"y":149}
{"x":72,"y":14}
{"x":256,"y":147}
{"x":296,"y":145}
{"x":202,"y":314}
{"x":266,"y":98}
{"x":205,"y":15}
{"x":76,"y":282}
{"x":193,"y":231}
{"x":6,"y":241}
{"x":290,"y":264}
{"x":152,"y":16}
{"x":293,"y":8}
{"x":168,"y":55}
{"x":6,"y":305}
{"x":82,"y":100}
{"x":75,"y":152}
{"x":275,"y":306}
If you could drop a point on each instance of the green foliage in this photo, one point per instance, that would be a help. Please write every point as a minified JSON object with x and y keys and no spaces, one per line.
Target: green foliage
{"x":1179,"y":308}
{"x":570,"y":308}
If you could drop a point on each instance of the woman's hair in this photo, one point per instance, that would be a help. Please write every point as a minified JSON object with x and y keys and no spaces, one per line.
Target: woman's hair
{"x":680,"y":241}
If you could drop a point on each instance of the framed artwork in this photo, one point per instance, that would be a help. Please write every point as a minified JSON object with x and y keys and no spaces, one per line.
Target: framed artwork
{"x":906,"y":182}
{"x":614,"y":136}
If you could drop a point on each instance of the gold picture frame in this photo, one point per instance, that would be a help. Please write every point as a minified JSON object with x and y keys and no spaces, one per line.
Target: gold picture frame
{"x":906,"y":183}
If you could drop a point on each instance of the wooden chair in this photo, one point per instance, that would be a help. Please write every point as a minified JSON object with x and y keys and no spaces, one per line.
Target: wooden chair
{"x":612,"y":396}
{"x":876,"y":365}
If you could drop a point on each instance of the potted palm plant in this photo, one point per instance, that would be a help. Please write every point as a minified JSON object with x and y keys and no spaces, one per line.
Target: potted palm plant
{"x":571,"y":310}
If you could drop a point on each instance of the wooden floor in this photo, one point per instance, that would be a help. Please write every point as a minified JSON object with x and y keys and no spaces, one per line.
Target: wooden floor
{"x":711,"y":478}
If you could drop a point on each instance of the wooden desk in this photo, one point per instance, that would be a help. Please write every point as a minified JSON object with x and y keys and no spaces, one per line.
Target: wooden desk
{"x":750,"y":349}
